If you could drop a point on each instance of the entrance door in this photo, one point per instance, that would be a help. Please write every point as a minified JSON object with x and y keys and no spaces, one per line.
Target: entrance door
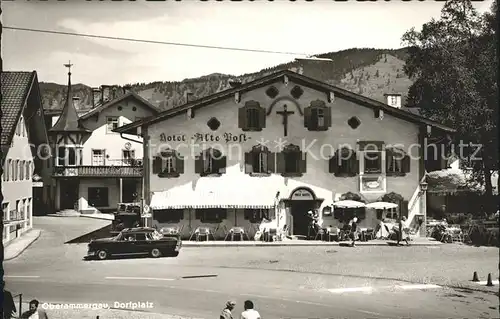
{"x":129,"y":190}
{"x":299,"y":209}
{"x":68,"y":191}
{"x":38,"y":204}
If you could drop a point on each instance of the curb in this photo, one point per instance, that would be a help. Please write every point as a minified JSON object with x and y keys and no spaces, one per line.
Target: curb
{"x":188,"y":245}
{"x":96,"y":217}
{"x":25,"y":247}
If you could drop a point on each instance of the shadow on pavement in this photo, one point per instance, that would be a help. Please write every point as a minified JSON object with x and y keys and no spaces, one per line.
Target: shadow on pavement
{"x":86,"y":258}
{"x":103,"y":232}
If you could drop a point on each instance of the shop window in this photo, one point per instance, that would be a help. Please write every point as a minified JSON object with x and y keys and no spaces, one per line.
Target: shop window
{"x":259,"y":160}
{"x":397,"y":162}
{"x":317,"y":116}
{"x":112,"y":124}
{"x":164,"y":216}
{"x":256,"y":215}
{"x":211,"y":215}
{"x":291,"y":161}
{"x":98,"y":196}
{"x":252,"y":117}
{"x":210,"y":162}
{"x":344,"y":163}
{"x":168,"y":163}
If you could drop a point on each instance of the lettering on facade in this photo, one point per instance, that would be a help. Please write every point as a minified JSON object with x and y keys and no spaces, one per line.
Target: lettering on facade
{"x":302,"y":194}
{"x":206,"y":137}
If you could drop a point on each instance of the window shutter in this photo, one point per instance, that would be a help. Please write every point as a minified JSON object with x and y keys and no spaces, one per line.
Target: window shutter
{"x":405,"y":165}
{"x":328,"y":117}
{"x":222,"y":164}
{"x":242,"y":118}
{"x":157,"y":161}
{"x":307,"y":117}
{"x":354,"y":164}
{"x":280,"y":162}
{"x":179,"y":164}
{"x":262,"y":117}
{"x":388,"y":158}
{"x":248,"y":163}
{"x":333,"y":166}
{"x":271,"y":157}
{"x":198,"y":164}
{"x":303,"y":162}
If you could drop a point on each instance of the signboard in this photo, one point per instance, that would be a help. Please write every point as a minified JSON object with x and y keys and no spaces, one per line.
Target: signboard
{"x":205,"y":137}
{"x":145,"y":209}
{"x":302,"y":194}
{"x":146,"y":215}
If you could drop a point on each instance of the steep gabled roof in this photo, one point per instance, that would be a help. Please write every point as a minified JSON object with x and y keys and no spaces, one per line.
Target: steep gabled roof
{"x":16,"y":87}
{"x":69,"y":121}
{"x":272,"y":78}
{"x":117,"y":100}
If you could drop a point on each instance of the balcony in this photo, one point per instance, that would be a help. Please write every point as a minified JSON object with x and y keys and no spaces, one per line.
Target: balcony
{"x":112,"y":168}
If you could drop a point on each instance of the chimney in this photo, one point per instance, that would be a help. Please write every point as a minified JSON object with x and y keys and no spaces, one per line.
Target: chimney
{"x":96,"y":97}
{"x":234,"y":83}
{"x":393,"y":99}
{"x":76,"y":102}
{"x":188,"y":96}
{"x":105,"y":93}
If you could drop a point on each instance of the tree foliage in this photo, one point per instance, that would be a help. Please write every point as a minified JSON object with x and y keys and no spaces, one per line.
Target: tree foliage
{"x":453,"y":62}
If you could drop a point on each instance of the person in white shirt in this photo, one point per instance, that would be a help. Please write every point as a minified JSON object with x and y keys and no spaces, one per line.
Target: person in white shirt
{"x":249,"y":312}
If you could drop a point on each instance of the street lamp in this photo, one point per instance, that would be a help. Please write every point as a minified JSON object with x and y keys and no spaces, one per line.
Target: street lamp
{"x":423,"y":186}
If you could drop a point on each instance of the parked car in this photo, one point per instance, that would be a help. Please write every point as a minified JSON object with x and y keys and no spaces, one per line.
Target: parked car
{"x":135,"y":241}
{"x":128,"y":215}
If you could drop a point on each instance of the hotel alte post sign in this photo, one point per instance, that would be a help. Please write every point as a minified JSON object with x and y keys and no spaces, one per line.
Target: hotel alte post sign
{"x":205,"y":137}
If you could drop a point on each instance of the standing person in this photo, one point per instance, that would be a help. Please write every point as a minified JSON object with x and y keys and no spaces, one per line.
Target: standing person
{"x":34,"y":312}
{"x":8,"y":306}
{"x":249,"y":312}
{"x":401,"y":229}
{"x":354,"y":230}
{"x":226,"y":312}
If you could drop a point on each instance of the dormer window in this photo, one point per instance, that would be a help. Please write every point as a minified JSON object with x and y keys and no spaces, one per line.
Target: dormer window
{"x":259,"y":160}
{"x":252,"y":117}
{"x":169,"y":163}
{"x":210,"y":162}
{"x":112,"y":124}
{"x":317,"y":116}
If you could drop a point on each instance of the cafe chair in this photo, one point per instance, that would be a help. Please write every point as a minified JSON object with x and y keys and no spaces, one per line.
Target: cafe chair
{"x":321,"y":234}
{"x":202,"y":232}
{"x":270,"y":235}
{"x":370,"y":234}
{"x":236,"y":232}
{"x":332,"y":232}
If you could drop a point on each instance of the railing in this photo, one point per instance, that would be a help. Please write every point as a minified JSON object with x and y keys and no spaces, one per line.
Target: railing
{"x":413,"y":208}
{"x":121,"y":162}
{"x":98,"y":171}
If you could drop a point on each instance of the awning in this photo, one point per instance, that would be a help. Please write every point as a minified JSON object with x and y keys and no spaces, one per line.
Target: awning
{"x":235,"y":189}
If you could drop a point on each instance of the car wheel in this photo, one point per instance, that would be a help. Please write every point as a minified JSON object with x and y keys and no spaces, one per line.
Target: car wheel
{"x":102,"y":254}
{"x":155,"y":253}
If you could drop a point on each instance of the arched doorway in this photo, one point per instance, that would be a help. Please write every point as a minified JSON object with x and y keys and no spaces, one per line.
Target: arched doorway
{"x":300,"y":201}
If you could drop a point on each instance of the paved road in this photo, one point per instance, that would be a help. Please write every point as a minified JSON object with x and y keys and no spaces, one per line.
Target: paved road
{"x":54,"y":272}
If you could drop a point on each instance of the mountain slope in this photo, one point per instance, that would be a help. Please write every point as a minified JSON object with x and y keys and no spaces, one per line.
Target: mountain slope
{"x":370,"y":72}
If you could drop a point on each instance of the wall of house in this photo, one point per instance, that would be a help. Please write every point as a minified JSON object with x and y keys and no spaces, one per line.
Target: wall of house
{"x":16,"y":189}
{"x":113,"y":186}
{"x":390,"y":129}
{"x":112,"y":142}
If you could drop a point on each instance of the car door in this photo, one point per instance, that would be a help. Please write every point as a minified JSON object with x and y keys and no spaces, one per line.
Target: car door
{"x":126,"y":245}
{"x":142,"y":244}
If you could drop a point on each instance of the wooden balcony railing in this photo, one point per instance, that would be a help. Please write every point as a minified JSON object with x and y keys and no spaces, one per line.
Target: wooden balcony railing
{"x":99,"y":171}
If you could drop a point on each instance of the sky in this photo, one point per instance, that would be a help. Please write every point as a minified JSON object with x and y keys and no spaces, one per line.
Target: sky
{"x":298,"y":27}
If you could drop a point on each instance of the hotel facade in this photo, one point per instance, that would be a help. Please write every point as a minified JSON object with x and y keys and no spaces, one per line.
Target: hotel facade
{"x":278,"y":147}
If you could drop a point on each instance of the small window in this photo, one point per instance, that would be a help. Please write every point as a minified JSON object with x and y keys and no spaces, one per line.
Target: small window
{"x":168,"y":164}
{"x":211,"y":215}
{"x":259,"y":161}
{"x":317,"y":116}
{"x":256,"y":215}
{"x":71,"y":156}
{"x":112,"y":124}
{"x":28,"y":170}
{"x":61,"y":156}
{"x":210,"y":162}
{"x":128,"y":156}
{"x":5,"y":175}
{"x":98,"y":157}
{"x":16,"y":170}
{"x":168,"y":216}
{"x":397,"y":162}
{"x":11,"y":169}
{"x":5,"y":209}
{"x":291,"y":161}
{"x":344,"y":163}
{"x":22,"y":170}
{"x":252,"y":117}
{"x":372,"y":162}
{"x":98,"y":196}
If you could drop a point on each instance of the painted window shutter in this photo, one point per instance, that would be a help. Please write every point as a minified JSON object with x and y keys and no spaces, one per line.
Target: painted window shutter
{"x":328,"y":117}
{"x":198,"y":164}
{"x":406,"y":164}
{"x":157,"y":161}
{"x":307,"y":117}
{"x":242,"y":118}
{"x":262,"y":117}
{"x":271,"y":157}
{"x":354,"y":161}
{"x":389,"y":154}
{"x":303,"y":162}
{"x":222,"y":164}
{"x":280,"y":162}
{"x":333,"y":166}
{"x":248,"y":163}
{"x":179,"y":164}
